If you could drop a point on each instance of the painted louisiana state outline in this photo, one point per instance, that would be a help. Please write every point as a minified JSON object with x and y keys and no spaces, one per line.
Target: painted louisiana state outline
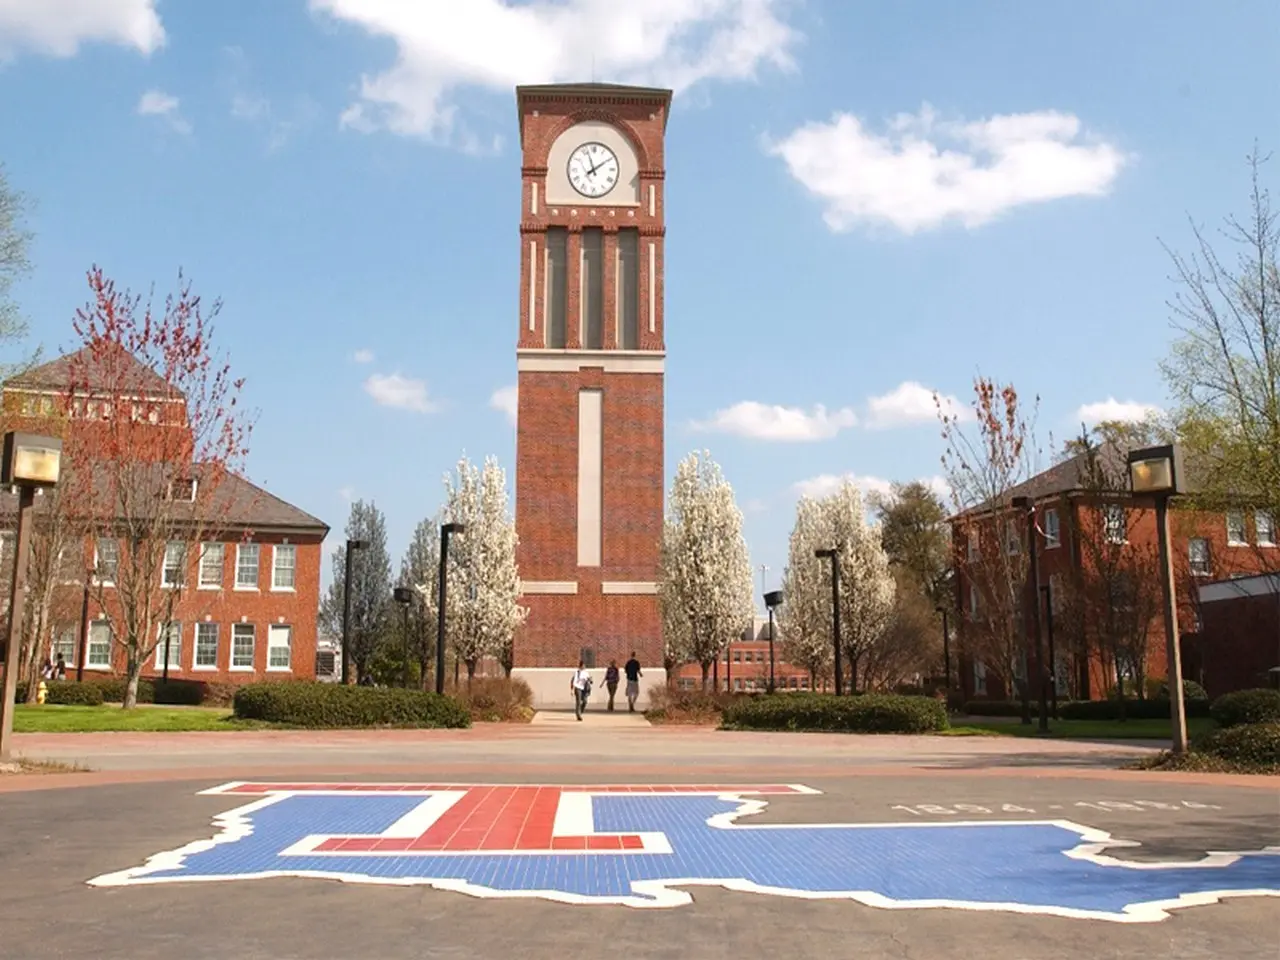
{"x":643,"y":846}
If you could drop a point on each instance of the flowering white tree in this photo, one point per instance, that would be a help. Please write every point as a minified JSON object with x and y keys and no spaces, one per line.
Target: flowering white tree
{"x":484,"y":585}
{"x":706,"y":589}
{"x":866,"y":583}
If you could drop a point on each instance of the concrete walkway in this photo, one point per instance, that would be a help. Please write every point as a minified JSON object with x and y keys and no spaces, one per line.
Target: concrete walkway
{"x":593,"y":718}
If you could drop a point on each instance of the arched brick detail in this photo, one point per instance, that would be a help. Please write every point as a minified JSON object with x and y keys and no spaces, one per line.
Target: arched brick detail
{"x":603,"y":116}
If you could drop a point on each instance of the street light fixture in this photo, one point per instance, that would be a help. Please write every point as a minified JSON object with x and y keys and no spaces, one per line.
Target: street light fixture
{"x":833,"y":554}
{"x":1156,"y":472}
{"x":352,"y":547}
{"x":946,"y":652}
{"x":446,"y":531}
{"x":1028,"y":506}
{"x":404,"y":597}
{"x":772,"y":599}
{"x":30,"y":462}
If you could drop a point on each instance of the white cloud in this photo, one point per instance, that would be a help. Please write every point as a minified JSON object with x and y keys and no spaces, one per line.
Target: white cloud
{"x":506,"y":399}
{"x":759,"y":421}
{"x":828,"y":483}
{"x":393,"y":390}
{"x":923,"y":172}
{"x":444,"y":46}
{"x":59,"y":27}
{"x":911,"y":403}
{"x":363,"y":356}
{"x":347,"y":493}
{"x":251,"y":107}
{"x":157,"y":103}
{"x":1125,"y":411}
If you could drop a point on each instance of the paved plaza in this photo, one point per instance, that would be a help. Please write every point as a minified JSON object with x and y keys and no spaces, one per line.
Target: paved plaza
{"x":611,"y":837}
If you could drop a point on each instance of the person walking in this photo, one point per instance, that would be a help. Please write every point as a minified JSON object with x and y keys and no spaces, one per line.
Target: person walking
{"x":632,"y":670}
{"x":60,"y":668}
{"x":581,"y":687}
{"x":611,"y":682}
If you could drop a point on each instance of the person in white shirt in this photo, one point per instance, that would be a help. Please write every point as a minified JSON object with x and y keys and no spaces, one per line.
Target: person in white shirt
{"x":581,"y":686}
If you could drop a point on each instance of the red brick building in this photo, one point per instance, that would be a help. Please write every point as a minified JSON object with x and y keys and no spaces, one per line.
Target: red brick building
{"x":1238,"y":644}
{"x":590,"y":361}
{"x":247,"y":596}
{"x":744,"y":668}
{"x":1076,"y":524}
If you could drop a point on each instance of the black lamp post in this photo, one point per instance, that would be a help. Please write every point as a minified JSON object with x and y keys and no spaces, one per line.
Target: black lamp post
{"x":1053,"y":662}
{"x":1157,"y":472}
{"x":772,"y":599}
{"x":946,"y":652}
{"x":446,"y":531}
{"x":29,"y":462}
{"x":404,"y":597}
{"x":833,"y":554}
{"x":1028,"y":505}
{"x":352,"y":547}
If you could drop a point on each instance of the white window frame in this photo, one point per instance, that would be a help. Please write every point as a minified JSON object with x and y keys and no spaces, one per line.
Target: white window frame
{"x":291,"y":550}
{"x":253,"y":633}
{"x":972,"y":544}
{"x":61,"y":639}
{"x":202,"y":626}
{"x":979,"y":678}
{"x":1052,"y":529}
{"x":89,"y":661}
{"x":1115,"y":523}
{"x":205,"y":548}
{"x":1262,"y":520}
{"x":974,"y":600}
{"x":1208,"y":557}
{"x":241,"y":549}
{"x":97,"y":560}
{"x":175,"y":645}
{"x":1012,"y":538}
{"x":164,"y":567}
{"x":1235,"y":518}
{"x":273,"y":643}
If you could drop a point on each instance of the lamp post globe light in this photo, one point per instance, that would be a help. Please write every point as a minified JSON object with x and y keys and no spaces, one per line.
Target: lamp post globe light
{"x":1028,"y":506}
{"x":447,"y":530}
{"x":404,"y":597}
{"x":772,"y":600}
{"x":29,"y":463}
{"x":1156,"y":473}
{"x":833,"y":554}
{"x":352,"y":547}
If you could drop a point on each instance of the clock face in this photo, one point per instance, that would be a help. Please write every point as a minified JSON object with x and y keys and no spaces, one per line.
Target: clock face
{"x":593,"y":169}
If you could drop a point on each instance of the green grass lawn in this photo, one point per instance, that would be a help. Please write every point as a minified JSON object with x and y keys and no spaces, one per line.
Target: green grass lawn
{"x":1082,"y":729}
{"x":55,"y":718}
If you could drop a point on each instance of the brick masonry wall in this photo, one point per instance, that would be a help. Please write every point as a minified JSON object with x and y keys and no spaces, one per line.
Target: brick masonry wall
{"x":1238,"y":645}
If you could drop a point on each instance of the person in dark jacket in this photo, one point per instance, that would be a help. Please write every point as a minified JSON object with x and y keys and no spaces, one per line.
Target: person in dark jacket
{"x":632,"y":670}
{"x":611,"y":681}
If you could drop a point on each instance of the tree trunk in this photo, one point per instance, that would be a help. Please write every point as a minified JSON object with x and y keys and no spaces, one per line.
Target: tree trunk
{"x":471,"y":670}
{"x":853,"y":672}
{"x":706,"y":674}
{"x":134,"y":672}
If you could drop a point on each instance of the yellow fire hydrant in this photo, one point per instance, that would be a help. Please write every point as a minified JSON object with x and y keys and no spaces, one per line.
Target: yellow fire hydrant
{"x":42,"y":692}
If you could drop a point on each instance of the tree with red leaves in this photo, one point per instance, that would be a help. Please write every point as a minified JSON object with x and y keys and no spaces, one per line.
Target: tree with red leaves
{"x":155,"y":426}
{"x":982,"y":467}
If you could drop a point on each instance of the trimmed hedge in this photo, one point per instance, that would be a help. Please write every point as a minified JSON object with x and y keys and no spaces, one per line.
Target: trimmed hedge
{"x":870,"y":713}
{"x":313,"y":704}
{"x":1133,"y":709}
{"x":1246,"y":707}
{"x":66,"y":693}
{"x":1246,"y":744}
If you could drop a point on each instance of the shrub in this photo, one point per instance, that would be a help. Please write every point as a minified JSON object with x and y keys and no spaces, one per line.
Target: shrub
{"x":183,"y":693}
{"x":313,"y":704}
{"x":1245,"y":707}
{"x":76,"y":694}
{"x":870,"y":713}
{"x":496,"y":699}
{"x":1159,"y":690}
{"x":1133,"y":709}
{"x":113,"y":689}
{"x":1246,"y":744}
{"x":667,"y":705}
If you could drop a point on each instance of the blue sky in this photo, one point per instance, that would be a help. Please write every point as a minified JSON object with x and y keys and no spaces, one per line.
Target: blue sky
{"x":866,"y":203}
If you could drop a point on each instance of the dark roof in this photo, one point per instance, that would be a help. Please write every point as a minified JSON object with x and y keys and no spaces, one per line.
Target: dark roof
{"x":237,"y":503}
{"x":108,"y":369}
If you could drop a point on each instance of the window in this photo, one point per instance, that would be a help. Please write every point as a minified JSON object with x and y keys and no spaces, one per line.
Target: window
{"x":979,"y":678}
{"x":557,"y":275}
{"x":973,"y":600}
{"x":1235,"y":529}
{"x":1198,"y":555}
{"x":206,"y":646}
{"x":737,"y":656}
{"x":247,"y":566}
{"x":65,"y":644}
{"x":1265,"y":528}
{"x":1011,"y":538}
{"x":593,"y":288}
{"x":971,"y":545}
{"x":747,"y":656}
{"x":175,"y":561}
{"x":284,"y":563}
{"x":211,"y":559}
{"x":170,"y":641}
{"x":737,"y":683}
{"x":107,"y":559}
{"x":1114,"y":525}
{"x":242,"y":644}
{"x":629,"y":289}
{"x":327,"y":664}
{"x":1052,"y":533}
{"x":98,"y":656}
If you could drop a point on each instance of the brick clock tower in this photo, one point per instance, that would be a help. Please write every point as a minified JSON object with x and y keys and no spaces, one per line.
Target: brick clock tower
{"x":590,"y":358}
